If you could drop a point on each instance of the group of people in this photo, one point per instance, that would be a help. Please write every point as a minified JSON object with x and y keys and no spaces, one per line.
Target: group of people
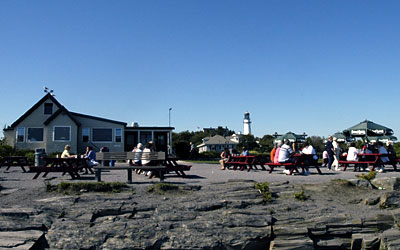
{"x":333,"y":153}
{"x":283,"y":152}
{"x":90,"y":155}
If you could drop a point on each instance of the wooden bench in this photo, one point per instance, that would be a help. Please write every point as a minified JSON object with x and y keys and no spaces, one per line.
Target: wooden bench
{"x":157,"y":161}
{"x":14,"y":161}
{"x":369,"y":160}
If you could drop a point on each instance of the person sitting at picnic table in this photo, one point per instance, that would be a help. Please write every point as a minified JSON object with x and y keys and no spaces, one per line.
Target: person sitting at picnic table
{"x":245,"y":152}
{"x":325,"y":158}
{"x":352,"y":153}
{"x":309,"y":150}
{"x":276,"y":156}
{"x":383,"y":159}
{"x":286,"y":155}
{"x":137,"y":159}
{"x":391,"y":152}
{"x":225,"y":157}
{"x":66,"y":153}
{"x":91,"y":156}
{"x":146,"y":157}
{"x":272,"y":154}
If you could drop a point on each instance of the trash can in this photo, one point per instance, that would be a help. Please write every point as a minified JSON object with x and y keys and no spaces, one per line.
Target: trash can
{"x":105,"y":149}
{"x":40,"y":155}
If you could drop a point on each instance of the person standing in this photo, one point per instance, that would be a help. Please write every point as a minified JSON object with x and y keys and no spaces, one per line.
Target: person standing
{"x":336,"y":156}
{"x":329,"y":149}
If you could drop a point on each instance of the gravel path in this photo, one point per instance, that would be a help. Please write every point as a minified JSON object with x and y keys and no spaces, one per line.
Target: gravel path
{"x":200,"y":174}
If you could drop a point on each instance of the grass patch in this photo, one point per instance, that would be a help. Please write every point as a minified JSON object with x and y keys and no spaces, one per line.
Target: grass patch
{"x":263,"y":188}
{"x":301,"y":196}
{"x":342,"y":182}
{"x":80,"y":187}
{"x":162,"y":188}
{"x":368,"y":177}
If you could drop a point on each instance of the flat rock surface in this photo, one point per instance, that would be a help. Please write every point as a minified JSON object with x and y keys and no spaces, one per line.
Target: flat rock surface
{"x":214,"y":209}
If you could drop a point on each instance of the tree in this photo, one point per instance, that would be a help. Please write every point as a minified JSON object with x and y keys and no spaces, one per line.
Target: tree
{"x":317,"y":142}
{"x":267,"y":143}
{"x":249,"y":142}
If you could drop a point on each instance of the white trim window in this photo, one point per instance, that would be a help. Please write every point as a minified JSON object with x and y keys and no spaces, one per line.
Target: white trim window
{"x":102,"y":134}
{"x":85,"y":134}
{"x":62,"y":133}
{"x":35,"y":134}
{"x":20,"y":134}
{"x":118,"y":135}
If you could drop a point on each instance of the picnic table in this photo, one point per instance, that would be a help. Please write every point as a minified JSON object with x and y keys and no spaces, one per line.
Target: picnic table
{"x":300,"y":160}
{"x":171,"y":164}
{"x":72,"y":166}
{"x":243,"y":162}
{"x":14,"y":161}
{"x":368,"y":160}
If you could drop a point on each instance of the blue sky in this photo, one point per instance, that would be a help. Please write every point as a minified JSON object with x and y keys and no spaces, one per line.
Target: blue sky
{"x":303,"y":66}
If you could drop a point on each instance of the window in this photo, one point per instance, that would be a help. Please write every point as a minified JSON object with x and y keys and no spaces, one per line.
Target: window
{"x":20,"y":134}
{"x":102,"y":135}
{"x":85,"y":134}
{"x":35,"y":134}
{"x":62,"y":134}
{"x":118,"y":135}
{"x":48,"y":108}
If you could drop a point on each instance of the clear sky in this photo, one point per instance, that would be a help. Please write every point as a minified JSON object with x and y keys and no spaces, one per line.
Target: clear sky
{"x":303,"y":66}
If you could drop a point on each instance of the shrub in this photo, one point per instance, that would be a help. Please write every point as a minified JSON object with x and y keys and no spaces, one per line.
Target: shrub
{"x":263,"y":188}
{"x":301,"y":196}
{"x":368,"y":177}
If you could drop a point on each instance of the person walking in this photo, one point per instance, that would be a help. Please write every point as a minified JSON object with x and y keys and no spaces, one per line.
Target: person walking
{"x":329,"y":149}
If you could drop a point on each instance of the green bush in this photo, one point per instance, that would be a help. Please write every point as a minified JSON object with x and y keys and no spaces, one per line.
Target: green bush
{"x":6,"y":150}
{"x":368,"y":177}
{"x":263,"y":188}
{"x":301,"y":196}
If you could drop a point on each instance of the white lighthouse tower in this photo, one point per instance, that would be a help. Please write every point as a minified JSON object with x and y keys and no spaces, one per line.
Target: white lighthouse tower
{"x":246,"y":124}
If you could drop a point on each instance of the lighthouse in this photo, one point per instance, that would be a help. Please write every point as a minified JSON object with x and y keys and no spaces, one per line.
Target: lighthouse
{"x":246,"y":124}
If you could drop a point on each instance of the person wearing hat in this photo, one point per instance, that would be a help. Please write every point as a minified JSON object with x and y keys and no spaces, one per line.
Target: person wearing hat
{"x":137,"y":159}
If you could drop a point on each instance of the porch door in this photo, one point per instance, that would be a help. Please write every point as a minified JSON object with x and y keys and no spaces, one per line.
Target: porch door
{"x":131,"y":140}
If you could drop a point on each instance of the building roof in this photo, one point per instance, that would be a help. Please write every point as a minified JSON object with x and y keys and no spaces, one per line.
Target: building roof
{"x":98,"y":118}
{"x":217,"y":140}
{"x":34,"y":107}
{"x":61,"y":110}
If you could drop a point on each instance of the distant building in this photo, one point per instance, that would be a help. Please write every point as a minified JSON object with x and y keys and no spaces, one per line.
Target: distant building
{"x":246,"y":124}
{"x":218,"y":143}
{"x":49,"y":125}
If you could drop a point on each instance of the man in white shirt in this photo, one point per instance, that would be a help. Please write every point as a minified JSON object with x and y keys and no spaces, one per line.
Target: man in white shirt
{"x":309,"y":150}
{"x":285,"y":155}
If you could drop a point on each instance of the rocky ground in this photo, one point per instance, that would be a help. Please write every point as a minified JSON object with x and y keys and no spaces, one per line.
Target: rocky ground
{"x":338,"y":213}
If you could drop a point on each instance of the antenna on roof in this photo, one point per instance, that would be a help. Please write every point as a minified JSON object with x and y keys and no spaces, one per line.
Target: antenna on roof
{"x":46,"y":90}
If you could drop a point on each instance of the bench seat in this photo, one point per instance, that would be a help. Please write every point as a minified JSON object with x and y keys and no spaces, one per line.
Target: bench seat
{"x":159,"y":169}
